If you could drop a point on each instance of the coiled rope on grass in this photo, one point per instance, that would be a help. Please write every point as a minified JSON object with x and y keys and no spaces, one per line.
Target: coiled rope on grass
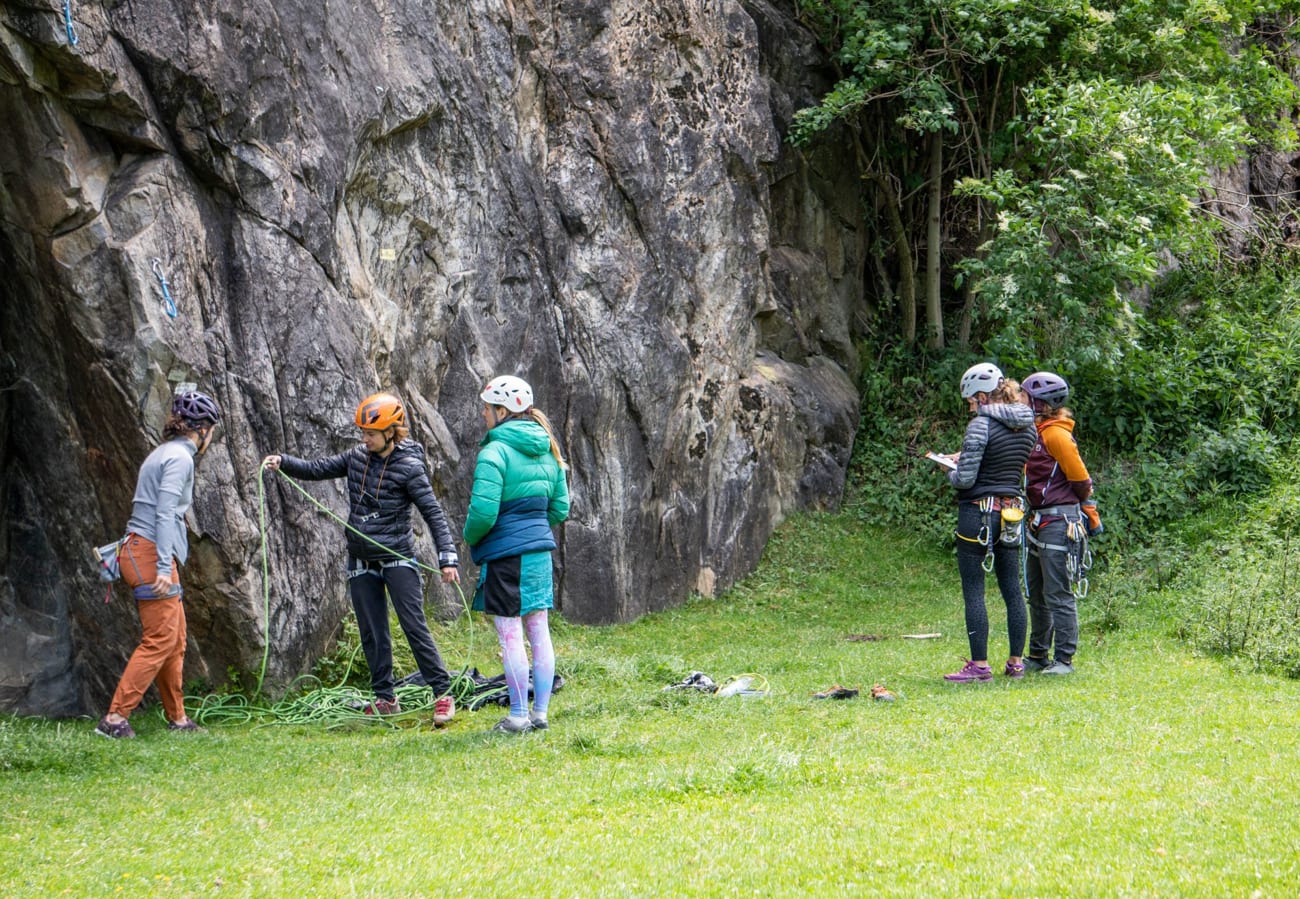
{"x":335,"y":706}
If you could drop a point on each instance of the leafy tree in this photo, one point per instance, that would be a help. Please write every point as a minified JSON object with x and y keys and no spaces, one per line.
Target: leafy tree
{"x":1055,"y":152}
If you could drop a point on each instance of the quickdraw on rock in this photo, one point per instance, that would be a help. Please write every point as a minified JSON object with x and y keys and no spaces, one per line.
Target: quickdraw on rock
{"x":169,"y":305}
{"x":67,"y":24}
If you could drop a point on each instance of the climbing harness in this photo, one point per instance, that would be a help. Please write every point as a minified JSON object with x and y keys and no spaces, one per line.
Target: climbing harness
{"x":1009,"y":512}
{"x":745,"y":685}
{"x":169,"y":305}
{"x":1078,"y":555}
{"x":67,"y":23}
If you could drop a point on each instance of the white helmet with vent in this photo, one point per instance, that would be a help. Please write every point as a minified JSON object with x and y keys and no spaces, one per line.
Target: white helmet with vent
{"x":982,"y":377}
{"x":508,"y":392}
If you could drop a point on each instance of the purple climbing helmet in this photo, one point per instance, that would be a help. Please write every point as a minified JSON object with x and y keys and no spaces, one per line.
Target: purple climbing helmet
{"x":1045,"y":386}
{"x":197,"y":409}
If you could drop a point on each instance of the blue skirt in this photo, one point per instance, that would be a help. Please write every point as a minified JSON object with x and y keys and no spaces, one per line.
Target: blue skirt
{"x":515,"y":585}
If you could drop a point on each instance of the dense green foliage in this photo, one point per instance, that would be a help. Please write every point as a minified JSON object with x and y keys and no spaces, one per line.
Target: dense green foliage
{"x":1151,"y":772}
{"x":1077,"y":141}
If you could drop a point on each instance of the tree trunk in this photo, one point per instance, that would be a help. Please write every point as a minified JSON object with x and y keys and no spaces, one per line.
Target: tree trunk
{"x":933,"y":309}
{"x":968,"y":294}
{"x":906,"y":265}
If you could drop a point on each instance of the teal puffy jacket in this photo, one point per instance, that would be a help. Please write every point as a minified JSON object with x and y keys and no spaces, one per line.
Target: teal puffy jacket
{"x":520,"y":493}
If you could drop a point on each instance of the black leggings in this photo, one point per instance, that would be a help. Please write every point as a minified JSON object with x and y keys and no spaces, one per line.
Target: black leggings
{"x":1006,"y":565}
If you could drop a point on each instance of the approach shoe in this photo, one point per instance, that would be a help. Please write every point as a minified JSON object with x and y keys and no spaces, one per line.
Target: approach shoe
{"x":188,"y":726}
{"x":970,"y":673}
{"x":835,"y":691}
{"x":444,"y":709}
{"x":382,"y":707}
{"x":1033,"y":665}
{"x":510,"y":725}
{"x":1014,"y":669}
{"x":881,"y":694}
{"x":538,"y":720}
{"x":120,"y":731}
{"x":1058,"y":667}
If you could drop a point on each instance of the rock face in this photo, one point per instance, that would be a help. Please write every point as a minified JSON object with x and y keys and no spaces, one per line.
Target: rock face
{"x":341,"y":197}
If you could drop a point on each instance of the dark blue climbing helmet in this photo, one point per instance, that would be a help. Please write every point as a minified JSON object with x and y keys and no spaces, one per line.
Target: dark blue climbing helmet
{"x":197,"y":409}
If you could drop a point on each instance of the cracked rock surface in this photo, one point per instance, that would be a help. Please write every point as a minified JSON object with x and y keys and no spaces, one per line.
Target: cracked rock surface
{"x":595,"y":196}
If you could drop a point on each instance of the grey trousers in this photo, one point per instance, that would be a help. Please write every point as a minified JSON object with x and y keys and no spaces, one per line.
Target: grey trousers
{"x":1052,"y":612}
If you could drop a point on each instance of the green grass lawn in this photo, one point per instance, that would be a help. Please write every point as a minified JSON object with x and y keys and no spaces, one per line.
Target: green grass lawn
{"x":1151,"y":772}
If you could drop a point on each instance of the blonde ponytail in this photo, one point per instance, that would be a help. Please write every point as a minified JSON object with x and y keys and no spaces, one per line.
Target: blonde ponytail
{"x":536,"y":415}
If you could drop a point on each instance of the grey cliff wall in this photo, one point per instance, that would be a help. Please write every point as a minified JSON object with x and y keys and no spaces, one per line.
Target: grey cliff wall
{"x":592,"y":195}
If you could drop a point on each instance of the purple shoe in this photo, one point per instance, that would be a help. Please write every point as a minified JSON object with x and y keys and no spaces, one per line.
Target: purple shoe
{"x":970,"y":673}
{"x":1014,"y":669}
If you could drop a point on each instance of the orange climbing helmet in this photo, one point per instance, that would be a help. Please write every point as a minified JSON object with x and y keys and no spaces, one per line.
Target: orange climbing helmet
{"x":380,"y":411}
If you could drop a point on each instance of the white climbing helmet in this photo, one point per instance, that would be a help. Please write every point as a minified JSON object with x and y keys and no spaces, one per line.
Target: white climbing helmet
{"x":982,"y":377}
{"x":508,"y":391}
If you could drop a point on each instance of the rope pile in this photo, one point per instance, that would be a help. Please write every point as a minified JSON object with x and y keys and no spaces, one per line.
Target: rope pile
{"x":307,"y":701}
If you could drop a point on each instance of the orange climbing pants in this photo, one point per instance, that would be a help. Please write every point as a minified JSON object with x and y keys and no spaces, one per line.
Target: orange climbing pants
{"x":161,"y":653}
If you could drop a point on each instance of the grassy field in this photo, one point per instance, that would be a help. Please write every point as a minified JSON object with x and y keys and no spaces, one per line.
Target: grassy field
{"x":1151,"y":772}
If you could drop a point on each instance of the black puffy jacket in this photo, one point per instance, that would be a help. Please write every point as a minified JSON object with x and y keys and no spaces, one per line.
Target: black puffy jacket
{"x":998,"y":440}
{"x":380,"y":495}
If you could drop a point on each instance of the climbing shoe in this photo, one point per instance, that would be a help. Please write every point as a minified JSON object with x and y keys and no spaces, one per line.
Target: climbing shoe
{"x":120,"y":731}
{"x":444,"y":709}
{"x":1058,"y":667}
{"x":970,"y":673}
{"x":382,"y":707}
{"x":880,"y":694}
{"x":1014,"y":669}
{"x":1033,"y":665}
{"x":511,"y":725}
{"x":187,"y":726}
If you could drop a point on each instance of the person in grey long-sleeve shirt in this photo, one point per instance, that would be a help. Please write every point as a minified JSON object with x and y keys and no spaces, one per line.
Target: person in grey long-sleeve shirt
{"x":149,"y":556}
{"x":163,"y":494}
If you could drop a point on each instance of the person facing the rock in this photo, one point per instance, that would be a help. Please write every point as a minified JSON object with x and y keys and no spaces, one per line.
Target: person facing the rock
{"x":386,"y":475}
{"x":990,"y":512}
{"x":150,"y":557}
{"x":520,"y":492}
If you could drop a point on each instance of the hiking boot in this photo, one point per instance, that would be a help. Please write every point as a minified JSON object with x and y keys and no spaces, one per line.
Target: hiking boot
{"x":1014,"y":669}
{"x":1059,"y":667}
{"x":511,"y":725}
{"x":120,"y":731}
{"x":443,"y":711}
{"x":970,"y":673}
{"x":538,"y":720}
{"x":1033,"y":665}
{"x":382,"y":707}
{"x":187,"y":726}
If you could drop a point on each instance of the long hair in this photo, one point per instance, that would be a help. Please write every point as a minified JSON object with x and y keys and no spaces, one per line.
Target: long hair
{"x":537,"y":415}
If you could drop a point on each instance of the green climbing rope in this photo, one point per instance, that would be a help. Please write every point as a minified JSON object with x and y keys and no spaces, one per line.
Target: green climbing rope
{"x":320,"y":705}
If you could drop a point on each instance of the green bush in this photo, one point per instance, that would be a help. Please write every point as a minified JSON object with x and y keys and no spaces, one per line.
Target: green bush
{"x":1247,"y":604}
